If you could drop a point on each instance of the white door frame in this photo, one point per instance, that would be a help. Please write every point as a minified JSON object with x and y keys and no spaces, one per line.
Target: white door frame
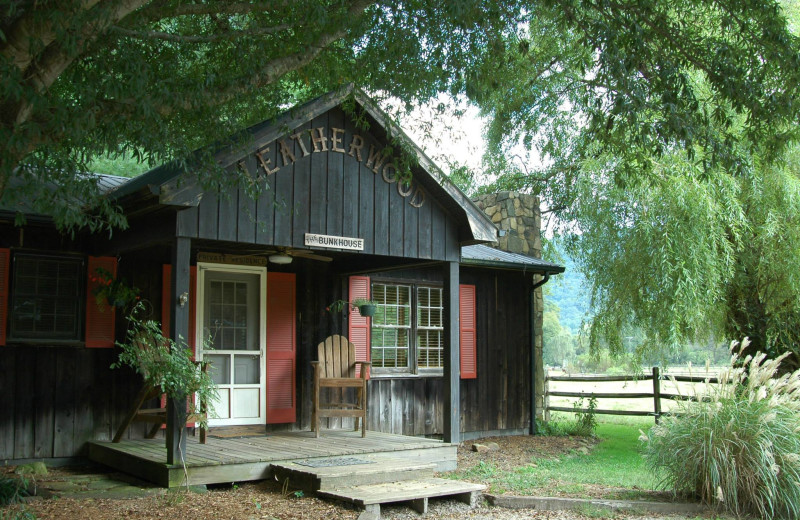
{"x":202,"y":269}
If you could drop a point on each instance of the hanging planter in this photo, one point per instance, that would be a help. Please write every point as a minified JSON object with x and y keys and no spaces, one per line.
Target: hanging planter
{"x":116,"y":302}
{"x":108,"y":290}
{"x":365,"y":307}
{"x":367,"y":310}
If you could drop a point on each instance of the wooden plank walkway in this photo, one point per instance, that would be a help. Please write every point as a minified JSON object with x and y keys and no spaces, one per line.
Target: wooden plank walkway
{"x":251,"y":458}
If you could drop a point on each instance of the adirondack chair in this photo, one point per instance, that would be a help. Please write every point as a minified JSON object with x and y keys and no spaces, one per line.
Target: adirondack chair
{"x":336,"y":369}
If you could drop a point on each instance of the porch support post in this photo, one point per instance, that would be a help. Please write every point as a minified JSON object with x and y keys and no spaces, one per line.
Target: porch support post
{"x":452,"y":358}
{"x":179,"y":325}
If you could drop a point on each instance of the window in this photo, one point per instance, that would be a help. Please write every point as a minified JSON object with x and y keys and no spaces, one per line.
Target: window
{"x":47,"y":297}
{"x":405,"y":312}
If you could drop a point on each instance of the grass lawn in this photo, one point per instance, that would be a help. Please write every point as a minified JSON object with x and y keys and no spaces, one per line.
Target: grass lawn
{"x":614,"y":465}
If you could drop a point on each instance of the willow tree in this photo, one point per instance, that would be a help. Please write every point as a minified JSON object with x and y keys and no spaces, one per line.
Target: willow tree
{"x":681,"y":203}
{"x":159,"y":78}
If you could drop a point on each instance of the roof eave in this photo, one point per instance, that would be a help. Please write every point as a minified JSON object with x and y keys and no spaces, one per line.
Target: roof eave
{"x":513,"y":266}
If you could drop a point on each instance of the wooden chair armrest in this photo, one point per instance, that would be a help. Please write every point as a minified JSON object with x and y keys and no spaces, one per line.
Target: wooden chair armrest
{"x":365,"y":366}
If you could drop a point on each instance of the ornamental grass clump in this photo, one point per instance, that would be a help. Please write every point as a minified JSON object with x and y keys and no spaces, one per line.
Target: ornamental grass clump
{"x":737,"y":448}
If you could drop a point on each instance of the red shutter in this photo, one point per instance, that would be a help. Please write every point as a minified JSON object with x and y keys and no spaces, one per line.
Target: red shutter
{"x":5,"y":256}
{"x":468,"y":337}
{"x":281,"y":348}
{"x":166,"y":313}
{"x":358,"y":328}
{"x":99,"y":320}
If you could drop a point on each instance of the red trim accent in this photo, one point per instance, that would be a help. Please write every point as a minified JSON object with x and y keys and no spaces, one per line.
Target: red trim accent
{"x":468,"y":337}
{"x":281,"y":348}
{"x":5,"y":257}
{"x":358,"y":326}
{"x":99,"y":320}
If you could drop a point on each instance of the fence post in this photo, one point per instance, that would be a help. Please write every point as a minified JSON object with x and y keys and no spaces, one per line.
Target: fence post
{"x":546,"y":403}
{"x":657,"y":393}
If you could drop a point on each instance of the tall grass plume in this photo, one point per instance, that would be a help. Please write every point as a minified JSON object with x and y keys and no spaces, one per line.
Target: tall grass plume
{"x":736,"y":445}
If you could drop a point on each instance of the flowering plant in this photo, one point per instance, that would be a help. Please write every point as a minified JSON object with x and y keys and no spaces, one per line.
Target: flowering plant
{"x":112,"y":291}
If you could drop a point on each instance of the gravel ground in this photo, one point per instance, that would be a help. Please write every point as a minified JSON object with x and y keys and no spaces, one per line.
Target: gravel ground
{"x":267,"y":501}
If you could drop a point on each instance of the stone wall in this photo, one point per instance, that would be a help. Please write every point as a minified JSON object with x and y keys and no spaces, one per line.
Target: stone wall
{"x":519,"y":219}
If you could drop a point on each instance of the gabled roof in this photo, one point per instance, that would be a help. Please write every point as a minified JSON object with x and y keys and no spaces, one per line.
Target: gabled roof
{"x":167,"y":182}
{"x":485,"y":256}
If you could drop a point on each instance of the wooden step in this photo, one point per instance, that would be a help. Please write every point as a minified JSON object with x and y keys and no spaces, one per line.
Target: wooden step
{"x":415,"y":492}
{"x":332,"y":477}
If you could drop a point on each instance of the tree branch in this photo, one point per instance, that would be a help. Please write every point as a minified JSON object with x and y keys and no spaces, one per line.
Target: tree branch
{"x":30,"y":33}
{"x":181,"y":38}
{"x":161,"y":11}
{"x":274,"y":69}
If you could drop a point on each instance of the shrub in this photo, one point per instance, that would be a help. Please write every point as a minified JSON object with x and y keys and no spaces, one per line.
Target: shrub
{"x":12,"y":489}
{"x":585,"y":421}
{"x":738,"y":447}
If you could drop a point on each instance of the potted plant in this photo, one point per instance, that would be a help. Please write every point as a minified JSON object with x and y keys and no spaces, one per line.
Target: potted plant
{"x":112,"y":291}
{"x":366,"y":307}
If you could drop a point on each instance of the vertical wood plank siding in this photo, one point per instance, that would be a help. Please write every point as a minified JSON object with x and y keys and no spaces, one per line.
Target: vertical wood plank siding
{"x":54,"y":410}
{"x":328,"y":193}
{"x":498,"y":399}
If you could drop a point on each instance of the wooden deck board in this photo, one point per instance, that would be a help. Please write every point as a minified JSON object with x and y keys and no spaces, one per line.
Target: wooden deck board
{"x":250,"y":458}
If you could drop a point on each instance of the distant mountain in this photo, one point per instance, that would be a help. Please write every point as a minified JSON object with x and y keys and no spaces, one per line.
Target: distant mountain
{"x":570,"y":292}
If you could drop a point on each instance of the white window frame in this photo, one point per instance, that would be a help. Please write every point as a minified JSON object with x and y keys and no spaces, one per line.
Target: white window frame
{"x":412,"y":369}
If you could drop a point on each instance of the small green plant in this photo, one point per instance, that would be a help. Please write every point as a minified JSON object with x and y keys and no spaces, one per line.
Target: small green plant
{"x":360,"y":302}
{"x":12,"y":489}
{"x":162,"y":363}
{"x":482,"y":470}
{"x":736,"y":449}
{"x":109,"y":290}
{"x":174,"y":497}
{"x":340,"y":305}
{"x":551,"y":428}
{"x":585,"y":417}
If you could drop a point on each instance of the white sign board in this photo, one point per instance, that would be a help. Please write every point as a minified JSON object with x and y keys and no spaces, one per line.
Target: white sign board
{"x":354,"y":244}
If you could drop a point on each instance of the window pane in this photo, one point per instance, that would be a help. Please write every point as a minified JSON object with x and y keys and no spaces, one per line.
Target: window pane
{"x":47,"y":298}
{"x":391,"y":326}
{"x":229,"y":315}
{"x":429,"y":327}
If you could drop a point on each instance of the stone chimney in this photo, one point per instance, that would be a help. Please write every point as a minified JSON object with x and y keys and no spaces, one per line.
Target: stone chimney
{"x":519,"y":216}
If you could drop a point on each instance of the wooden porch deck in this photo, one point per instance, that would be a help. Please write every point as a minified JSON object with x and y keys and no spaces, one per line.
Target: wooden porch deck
{"x":251,"y":458}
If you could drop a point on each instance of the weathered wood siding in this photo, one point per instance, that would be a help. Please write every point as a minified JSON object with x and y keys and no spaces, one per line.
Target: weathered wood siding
{"x":328,"y":193}
{"x":55,"y":399}
{"x":498,"y":399}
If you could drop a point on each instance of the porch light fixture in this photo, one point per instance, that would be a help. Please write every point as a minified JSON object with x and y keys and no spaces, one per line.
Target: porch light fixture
{"x":281,"y":259}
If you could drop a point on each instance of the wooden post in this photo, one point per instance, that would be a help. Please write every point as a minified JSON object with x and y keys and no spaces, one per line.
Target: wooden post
{"x":657,"y":393}
{"x":179,"y":325}
{"x":546,"y":407}
{"x":452,"y":360}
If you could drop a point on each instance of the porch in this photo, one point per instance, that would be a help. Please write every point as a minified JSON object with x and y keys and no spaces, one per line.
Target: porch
{"x":239,"y":459}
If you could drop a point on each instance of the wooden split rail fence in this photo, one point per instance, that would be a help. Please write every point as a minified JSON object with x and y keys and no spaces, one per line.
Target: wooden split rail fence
{"x":655,"y":396}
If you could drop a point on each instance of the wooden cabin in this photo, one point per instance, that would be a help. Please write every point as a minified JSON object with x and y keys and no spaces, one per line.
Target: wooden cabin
{"x":451,"y":356}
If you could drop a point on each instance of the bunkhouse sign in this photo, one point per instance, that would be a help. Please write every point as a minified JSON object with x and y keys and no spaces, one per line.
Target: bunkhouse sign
{"x":353,"y":244}
{"x":321,"y":139}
